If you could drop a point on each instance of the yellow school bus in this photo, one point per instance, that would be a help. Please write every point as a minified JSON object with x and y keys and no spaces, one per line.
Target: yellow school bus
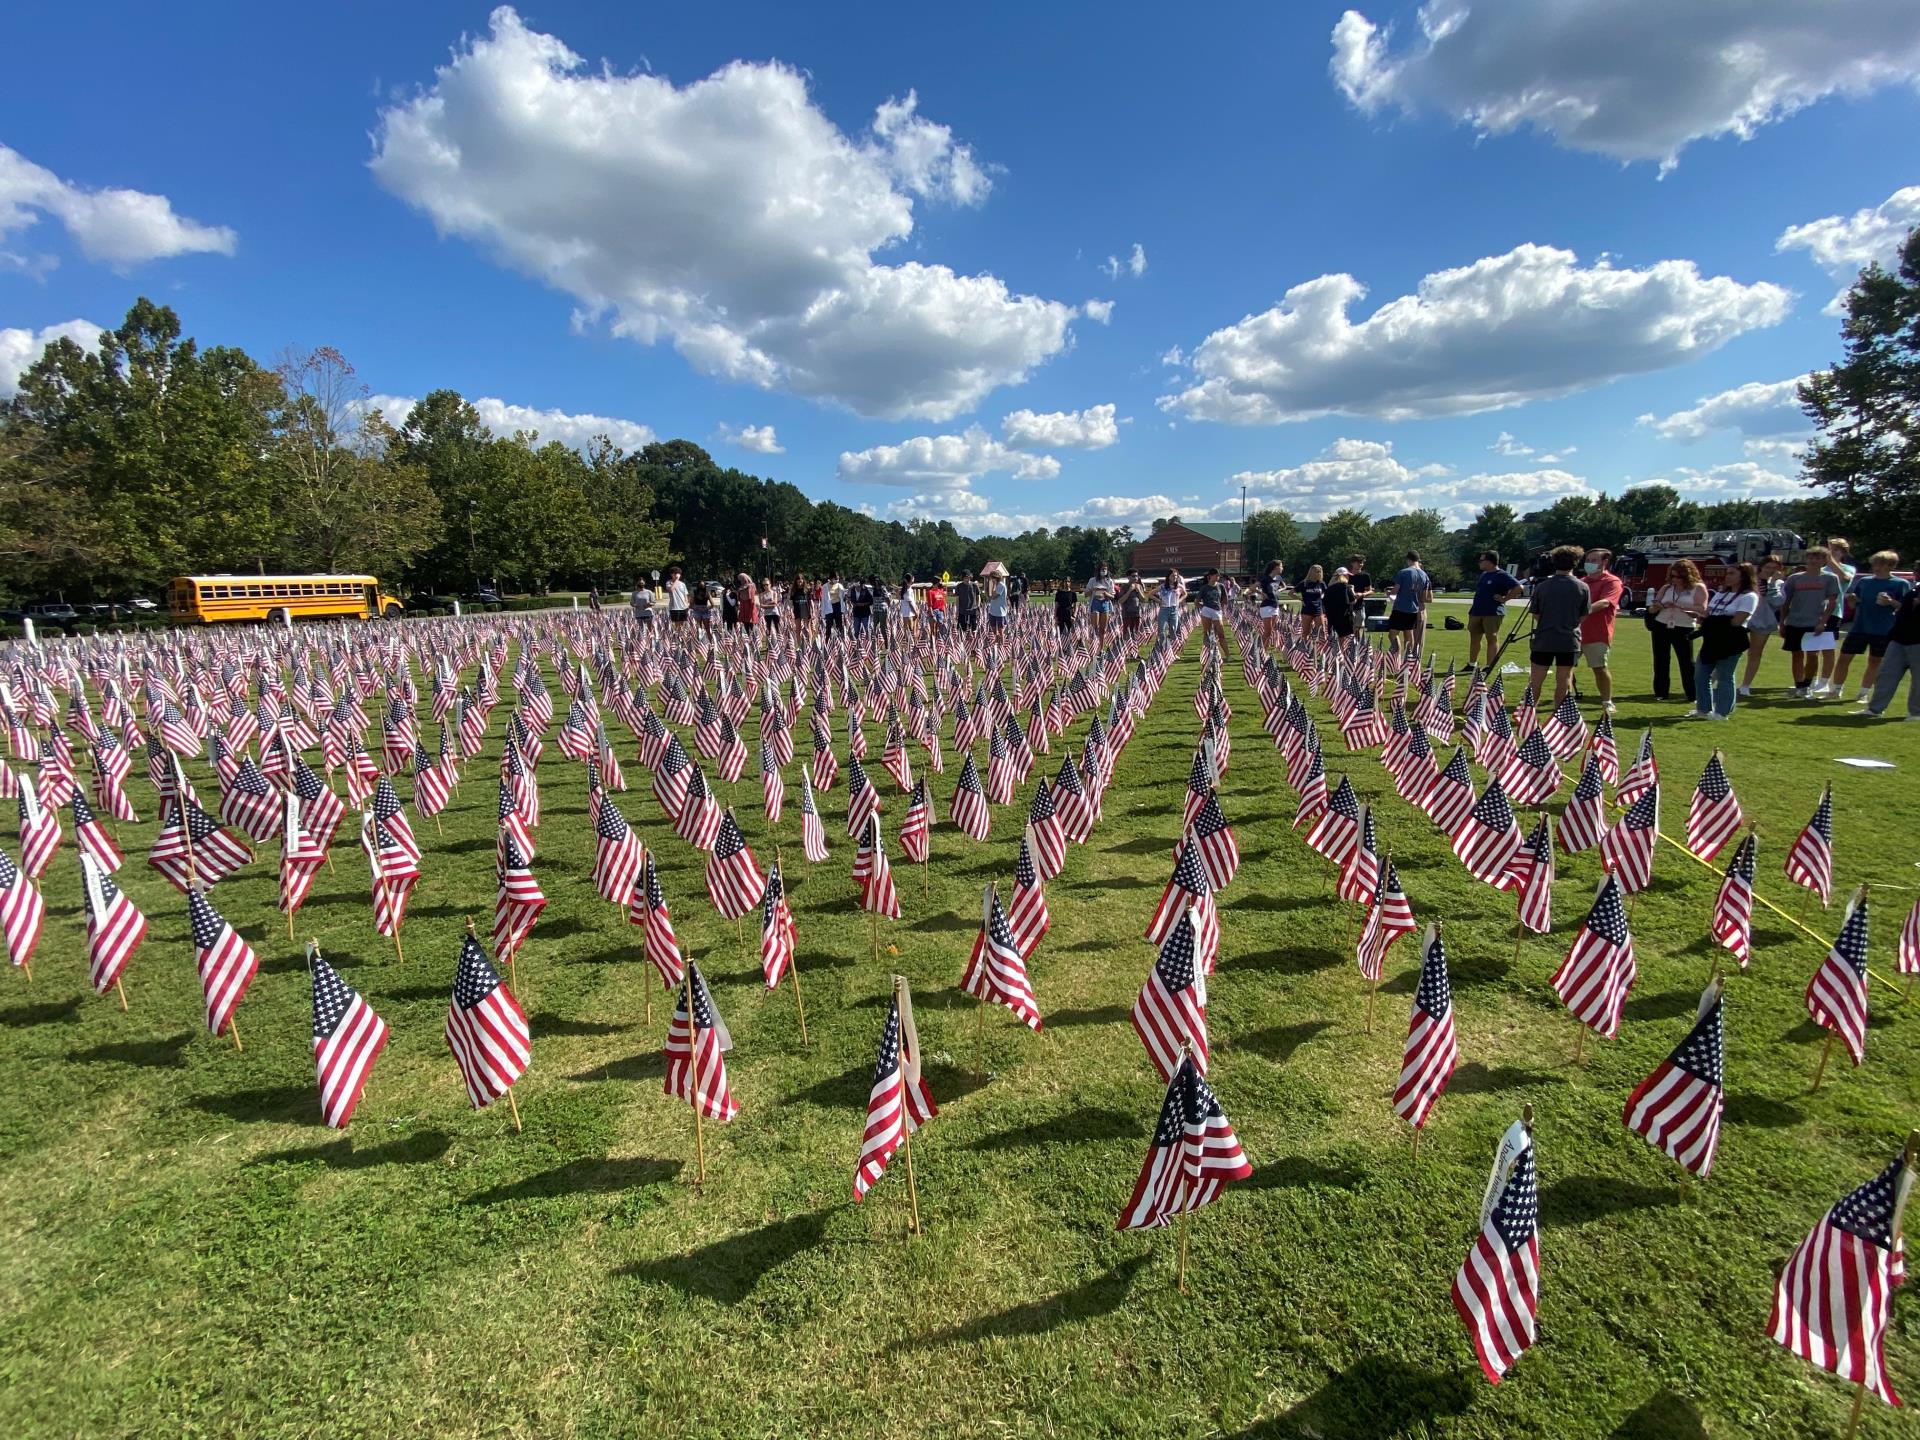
{"x":214,"y":598}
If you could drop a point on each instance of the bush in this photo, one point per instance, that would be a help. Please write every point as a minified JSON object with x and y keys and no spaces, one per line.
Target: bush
{"x":13,"y":632}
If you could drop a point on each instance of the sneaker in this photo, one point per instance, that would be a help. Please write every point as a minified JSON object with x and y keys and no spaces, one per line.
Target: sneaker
{"x":1716,"y":715}
{"x":1746,"y":692}
{"x":1607,"y":708}
{"x":1698,"y":715}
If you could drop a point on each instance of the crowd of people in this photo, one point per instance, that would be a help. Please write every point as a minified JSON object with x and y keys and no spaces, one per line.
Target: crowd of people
{"x":1708,"y":644}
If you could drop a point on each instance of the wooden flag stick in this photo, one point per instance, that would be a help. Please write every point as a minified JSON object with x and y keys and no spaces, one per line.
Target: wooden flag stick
{"x":1372,"y":990}
{"x":913,"y":1193}
{"x":233,"y":1029}
{"x":1416,"y":1144}
{"x":1821,"y":1070}
{"x":1579,"y":1042}
{"x":120,"y":990}
{"x":1181,"y":1279}
{"x":693,"y":1085}
{"x":514,"y":1106}
{"x":1859,"y":1400}
{"x":793,"y":973}
{"x":980,"y":1038}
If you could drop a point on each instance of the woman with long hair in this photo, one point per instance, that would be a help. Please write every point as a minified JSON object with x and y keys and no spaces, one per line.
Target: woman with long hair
{"x":1723,"y":640}
{"x":1677,"y":609}
{"x":1313,"y":601}
{"x":1765,"y":623}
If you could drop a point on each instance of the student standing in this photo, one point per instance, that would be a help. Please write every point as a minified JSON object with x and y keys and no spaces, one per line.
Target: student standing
{"x":1488,"y":607}
{"x":1270,"y":586}
{"x":1559,"y":604}
{"x":1407,"y":623}
{"x":1063,"y":602}
{"x":937,"y":603}
{"x":1839,"y":551}
{"x":1100,"y":600}
{"x":1723,"y":640}
{"x":1902,"y":658}
{"x":1131,"y":599}
{"x":1677,"y":610}
{"x":998,"y":601}
{"x":1210,"y":596}
{"x":966,"y":597}
{"x":1872,"y":622}
{"x":1604,"y":589}
{"x":1812,"y":598}
{"x":800,"y":599}
{"x":677,"y":605}
{"x":1313,"y":602}
{"x":1765,"y":621}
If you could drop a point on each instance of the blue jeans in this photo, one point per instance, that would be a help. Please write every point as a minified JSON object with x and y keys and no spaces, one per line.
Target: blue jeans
{"x":1168,"y":620}
{"x":1715,"y":680}
{"x":1900,"y":660}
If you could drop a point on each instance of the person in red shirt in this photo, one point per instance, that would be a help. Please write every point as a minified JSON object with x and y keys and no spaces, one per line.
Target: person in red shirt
{"x":1596,"y":631}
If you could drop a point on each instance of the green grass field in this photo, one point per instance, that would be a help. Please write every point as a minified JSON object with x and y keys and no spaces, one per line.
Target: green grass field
{"x":185,"y":1250}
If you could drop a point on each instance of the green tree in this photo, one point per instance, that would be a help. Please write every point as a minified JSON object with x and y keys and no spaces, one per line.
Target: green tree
{"x":1342,"y":534}
{"x":1421,"y":531}
{"x":834,"y":542}
{"x":1657,"y":509}
{"x":1584,"y":520}
{"x":1867,"y":407}
{"x":1496,"y":528}
{"x":1270,"y":535}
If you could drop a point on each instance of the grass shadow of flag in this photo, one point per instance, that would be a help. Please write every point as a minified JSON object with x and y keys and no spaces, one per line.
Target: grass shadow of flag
{"x":647,"y":1065}
{"x":1375,"y":1396}
{"x":1297,"y":1172}
{"x":727,"y":1271}
{"x":548,"y":1023}
{"x":165,"y":1054}
{"x":591,"y":1176}
{"x":1098,"y":1015}
{"x":1101,"y":1295}
{"x":1473,"y":1078}
{"x":1278,"y":1042}
{"x":50,"y":1013}
{"x":343,"y":1154}
{"x":1665,"y":1416}
{"x":272,"y":1105}
{"x":1079,"y":1127}
{"x":1578,"y":1199}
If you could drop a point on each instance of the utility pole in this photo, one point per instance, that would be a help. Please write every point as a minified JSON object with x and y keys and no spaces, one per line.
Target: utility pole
{"x":1243,"y":505}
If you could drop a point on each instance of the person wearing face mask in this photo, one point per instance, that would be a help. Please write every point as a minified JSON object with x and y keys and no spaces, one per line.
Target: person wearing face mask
{"x":1100,"y":600}
{"x":1604,"y":589}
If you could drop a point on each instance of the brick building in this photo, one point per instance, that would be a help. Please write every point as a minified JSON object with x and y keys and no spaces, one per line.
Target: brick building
{"x":1190,"y":545}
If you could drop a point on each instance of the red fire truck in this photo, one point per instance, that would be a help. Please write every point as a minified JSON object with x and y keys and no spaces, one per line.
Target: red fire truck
{"x":1643,"y":564}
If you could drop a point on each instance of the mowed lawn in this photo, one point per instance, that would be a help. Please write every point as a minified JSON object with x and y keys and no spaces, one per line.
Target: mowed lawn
{"x":185,"y":1250}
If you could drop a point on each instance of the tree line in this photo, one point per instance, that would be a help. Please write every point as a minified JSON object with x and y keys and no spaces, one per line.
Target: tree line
{"x":150,"y":456}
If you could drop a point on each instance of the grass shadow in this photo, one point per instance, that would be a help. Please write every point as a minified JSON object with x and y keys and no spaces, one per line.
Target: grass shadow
{"x":547,"y":1023}
{"x":51,"y":1012}
{"x":1376,"y":1395}
{"x":1758,"y":1111}
{"x":1141,"y":845}
{"x":410,"y":994}
{"x":647,"y":1065}
{"x":1101,"y":1295}
{"x":1080,"y":1127}
{"x":727,"y":1271}
{"x":1665,"y":1416}
{"x":152,"y":1054}
{"x":1283,"y":962}
{"x":342,"y":1154}
{"x":592,"y":1176}
{"x":1580,"y":1198}
{"x":1474,"y":1078}
{"x":1098,"y":1015}
{"x":1278,"y":1042}
{"x":272,"y":1105}
{"x":1662,"y":1007}
{"x":1296,"y":1172}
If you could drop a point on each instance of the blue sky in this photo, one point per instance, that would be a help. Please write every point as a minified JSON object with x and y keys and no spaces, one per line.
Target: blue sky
{"x":1384,"y":257}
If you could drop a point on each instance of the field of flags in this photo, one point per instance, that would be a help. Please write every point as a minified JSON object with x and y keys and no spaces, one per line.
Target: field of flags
{"x":153,"y":779}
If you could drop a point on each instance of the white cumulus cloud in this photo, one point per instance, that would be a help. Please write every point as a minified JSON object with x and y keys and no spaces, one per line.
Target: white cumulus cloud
{"x":1527,"y":325}
{"x":1091,"y":429}
{"x":758,"y":438}
{"x":505,"y":419}
{"x":729,"y":217}
{"x":1629,"y":79}
{"x":1739,"y":480}
{"x":1367,"y":475}
{"x":1755,"y":408}
{"x":20,"y":348}
{"x":942,"y":462}
{"x":114,"y":226}
{"x":1135,"y":263}
{"x":1099,"y":311}
{"x":1844,"y":245}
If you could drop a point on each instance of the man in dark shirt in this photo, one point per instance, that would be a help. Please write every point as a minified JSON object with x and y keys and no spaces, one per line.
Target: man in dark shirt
{"x":1339,"y":602}
{"x":1063,"y":602}
{"x":966,"y":601}
{"x":1559,"y":604}
{"x":1483,"y":615}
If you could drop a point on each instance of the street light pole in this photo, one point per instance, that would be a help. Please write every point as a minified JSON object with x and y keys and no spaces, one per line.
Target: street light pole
{"x":473,"y":550}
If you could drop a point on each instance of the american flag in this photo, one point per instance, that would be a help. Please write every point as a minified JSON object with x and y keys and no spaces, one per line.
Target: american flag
{"x":300,"y":857}
{"x":196,"y":852}
{"x":670,"y":778}
{"x":114,"y":927}
{"x":1313,"y":793}
{"x":863,"y":800}
{"x":510,"y":821}
{"x":777,"y":931}
{"x":1200,"y":783}
{"x":1427,"y":1062}
{"x":1831,"y":1302}
{"x":1417,"y":773}
{"x":91,"y":836}
{"x":1360,"y":876}
{"x":1451,"y":800}
{"x":916,"y":827}
{"x":773,"y":789}
{"x":1388,"y":918}
{"x":1531,"y":776}
{"x":1170,"y":1013}
{"x":1496,"y":1289}
{"x":1837,"y":994}
{"x":1565,"y":733}
{"x":1907,"y":956}
{"x":394,"y":874}
{"x":1535,"y":890}
{"x":697,"y":1042}
{"x":1604,"y":750}
{"x":616,"y":853}
{"x":1337,"y":831}
{"x":1043,"y":824}
{"x":1641,"y":776}
{"x":1002,"y":771}
{"x":1583,"y":824}
{"x":1187,"y":884}
{"x":1733,"y":907}
{"x":1193,"y":1153}
{"x":110,"y":767}
{"x":1070,"y":802}
{"x":486,"y":1029}
{"x":39,"y":830}
{"x":1213,"y":838}
{"x":1677,"y":1108}
{"x":813,"y":835}
{"x":873,"y":873}
{"x":1627,"y":849}
{"x":386,"y":809}
{"x":22,"y":912}
{"x":969,"y":811}
{"x":995,"y":971}
{"x":1714,"y":816}
{"x":1599,"y":969}
{"x":347,"y":1036}
{"x":899,"y":1102}
{"x":1027,"y":915}
{"x":699,"y":822}
{"x":1489,"y":839}
{"x":648,"y":909}
{"x":1810,"y":861}
{"x":431,"y":786}
{"x":227,"y":964}
{"x":517,"y":896}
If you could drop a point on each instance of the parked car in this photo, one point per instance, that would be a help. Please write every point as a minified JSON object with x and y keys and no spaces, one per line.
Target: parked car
{"x":485,"y":595}
{"x":142,"y":604}
{"x":52,"y":612}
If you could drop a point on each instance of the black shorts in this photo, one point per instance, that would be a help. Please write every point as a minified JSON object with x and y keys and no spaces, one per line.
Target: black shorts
{"x":1341,"y":625}
{"x":1555,"y":659}
{"x":678,"y":617}
{"x":1402,"y":619}
{"x":1792,"y":635}
{"x":1858,"y":644}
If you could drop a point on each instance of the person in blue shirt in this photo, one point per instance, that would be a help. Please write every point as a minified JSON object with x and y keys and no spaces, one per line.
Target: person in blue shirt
{"x":1872,"y":621}
{"x":1483,"y":615}
{"x":1408,"y":618}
